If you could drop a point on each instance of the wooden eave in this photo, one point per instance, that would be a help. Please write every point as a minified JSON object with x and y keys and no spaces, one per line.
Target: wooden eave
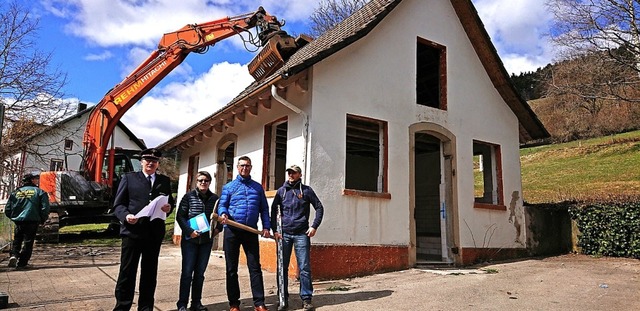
{"x":255,"y":98}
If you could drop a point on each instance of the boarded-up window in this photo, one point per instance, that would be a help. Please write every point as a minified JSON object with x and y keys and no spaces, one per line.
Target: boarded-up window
{"x":274,"y":173}
{"x":366,"y":167}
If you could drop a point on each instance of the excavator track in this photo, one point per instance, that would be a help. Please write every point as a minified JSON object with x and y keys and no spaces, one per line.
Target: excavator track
{"x":50,"y":231}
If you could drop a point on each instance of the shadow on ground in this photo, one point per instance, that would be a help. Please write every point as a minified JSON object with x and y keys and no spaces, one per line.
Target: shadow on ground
{"x":319,"y":300}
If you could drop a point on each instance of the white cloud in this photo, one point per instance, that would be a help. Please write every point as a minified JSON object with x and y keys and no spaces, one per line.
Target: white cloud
{"x":518,"y":30}
{"x":176,"y":106}
{"x":99,"y":57}
{"x":110,"y":23}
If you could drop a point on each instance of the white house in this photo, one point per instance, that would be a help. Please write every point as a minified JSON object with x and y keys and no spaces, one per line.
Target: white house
{"x":59,"y":147}
{"x":406,"y":125}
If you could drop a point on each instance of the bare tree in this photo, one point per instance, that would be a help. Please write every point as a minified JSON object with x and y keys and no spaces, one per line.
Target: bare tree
{"x":331,"y":12}
{"x":597,"y":25}
{"x":30,"y":87}
{"x":606,"y":29}
{"x":579,"y":102}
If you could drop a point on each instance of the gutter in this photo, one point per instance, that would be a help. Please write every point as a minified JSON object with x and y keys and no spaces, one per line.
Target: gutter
{"x":305,"y":129}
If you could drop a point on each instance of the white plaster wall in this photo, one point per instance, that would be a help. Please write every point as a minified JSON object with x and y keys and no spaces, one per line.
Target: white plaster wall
{"x":375,"y":77}
{"x":250,"y":142}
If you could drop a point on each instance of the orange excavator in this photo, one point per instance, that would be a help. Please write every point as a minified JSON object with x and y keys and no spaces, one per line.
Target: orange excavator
{"x":85,"y":196}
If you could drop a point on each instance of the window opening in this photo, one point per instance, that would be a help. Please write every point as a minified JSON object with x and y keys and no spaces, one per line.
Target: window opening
{"x":366,"y":154}
{"x":430,"y":74}
{"x":487,"y":173}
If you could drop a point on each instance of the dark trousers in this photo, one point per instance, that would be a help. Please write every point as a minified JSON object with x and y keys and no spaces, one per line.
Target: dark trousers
{"x":132,"y":250}
{"x":233,"y":239}
{"x":195,"y":258}
{"x":25,"y":232}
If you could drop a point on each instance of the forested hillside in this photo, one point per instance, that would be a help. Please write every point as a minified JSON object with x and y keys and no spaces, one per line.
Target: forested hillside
{"x":581,"y":98}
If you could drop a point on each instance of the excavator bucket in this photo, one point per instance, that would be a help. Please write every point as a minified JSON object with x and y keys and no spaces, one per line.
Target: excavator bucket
{"x":275,"y":53}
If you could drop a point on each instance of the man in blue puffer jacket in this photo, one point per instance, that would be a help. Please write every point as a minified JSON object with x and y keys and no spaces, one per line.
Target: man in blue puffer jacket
{"x":243,"y":200}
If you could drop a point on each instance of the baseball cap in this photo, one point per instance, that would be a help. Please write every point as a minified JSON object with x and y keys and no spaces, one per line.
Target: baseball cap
{"x":30,"y":176}
{"x":295,"y":168}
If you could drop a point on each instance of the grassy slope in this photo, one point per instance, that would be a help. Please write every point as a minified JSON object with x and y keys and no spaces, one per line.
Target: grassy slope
{"x":587,"y":169}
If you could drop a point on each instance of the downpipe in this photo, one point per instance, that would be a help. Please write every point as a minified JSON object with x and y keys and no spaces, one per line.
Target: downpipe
{"x":305,"y":128}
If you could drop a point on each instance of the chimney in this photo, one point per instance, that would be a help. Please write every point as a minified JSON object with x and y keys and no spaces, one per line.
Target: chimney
{"x":81,"y":107}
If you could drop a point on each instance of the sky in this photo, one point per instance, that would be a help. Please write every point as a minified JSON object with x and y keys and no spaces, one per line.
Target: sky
{"x":99,"y":42}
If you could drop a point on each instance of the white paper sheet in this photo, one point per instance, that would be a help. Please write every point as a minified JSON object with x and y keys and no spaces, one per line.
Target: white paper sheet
{"x":153,"y":210}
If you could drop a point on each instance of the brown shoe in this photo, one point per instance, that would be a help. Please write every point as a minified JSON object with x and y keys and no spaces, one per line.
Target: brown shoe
{"x":234,"y":308}
{"x":261,"y":308}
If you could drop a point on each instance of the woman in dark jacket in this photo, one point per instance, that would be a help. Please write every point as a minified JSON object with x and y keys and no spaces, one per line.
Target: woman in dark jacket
{"x":195,"y":244}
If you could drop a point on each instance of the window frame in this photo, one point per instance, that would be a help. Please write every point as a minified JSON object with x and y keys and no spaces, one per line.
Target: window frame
{"x":383,"y":159}
{"x":270,"y":157}
{"x":442,"y":73}
{"x":68,"y":144}
{"x":192,"y":170}
{"x":494,"y":161}
{"x":55,"y":163}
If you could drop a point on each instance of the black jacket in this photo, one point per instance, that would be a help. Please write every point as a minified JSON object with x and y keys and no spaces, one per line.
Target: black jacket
{"x":134,"y":194}
{"x":192,"y":204}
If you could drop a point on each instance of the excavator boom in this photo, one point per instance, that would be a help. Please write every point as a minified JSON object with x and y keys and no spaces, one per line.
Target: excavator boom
{"x":172,"y":49}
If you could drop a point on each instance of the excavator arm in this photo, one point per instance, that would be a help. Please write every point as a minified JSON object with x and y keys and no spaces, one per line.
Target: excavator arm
{"x":172,"y":50}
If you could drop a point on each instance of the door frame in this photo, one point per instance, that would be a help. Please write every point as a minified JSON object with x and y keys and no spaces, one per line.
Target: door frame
{"x":450,"y":236}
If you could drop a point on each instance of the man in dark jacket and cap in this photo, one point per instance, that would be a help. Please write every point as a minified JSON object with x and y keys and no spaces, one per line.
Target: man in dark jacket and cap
{"x":28,"y":207}
{"x":292,"y":205}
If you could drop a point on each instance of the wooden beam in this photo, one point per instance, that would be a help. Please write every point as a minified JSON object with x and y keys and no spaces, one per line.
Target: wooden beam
{"x":252,"y":108}
{"x":266,"y":104}
{"x":229,"y":121}
{"x":208,"y":133}
{"x":218,"y":127}
{"x":241,"y":116}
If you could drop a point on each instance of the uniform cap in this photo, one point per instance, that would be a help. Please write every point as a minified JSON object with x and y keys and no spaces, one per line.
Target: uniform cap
{"x":151,"y":153}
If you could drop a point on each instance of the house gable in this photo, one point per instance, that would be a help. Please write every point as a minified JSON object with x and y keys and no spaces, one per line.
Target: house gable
{"x":351,"y":30}
{"x":351,"y":105}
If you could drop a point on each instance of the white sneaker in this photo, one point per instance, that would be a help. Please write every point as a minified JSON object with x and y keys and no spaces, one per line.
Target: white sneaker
{"x":13,"y":261}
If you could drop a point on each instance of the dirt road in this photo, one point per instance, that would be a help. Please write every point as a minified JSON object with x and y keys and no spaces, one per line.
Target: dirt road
{"x":82,"y":278}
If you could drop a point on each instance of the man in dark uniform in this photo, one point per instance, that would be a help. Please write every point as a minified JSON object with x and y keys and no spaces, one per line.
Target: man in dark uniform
{"x":141,"y":235}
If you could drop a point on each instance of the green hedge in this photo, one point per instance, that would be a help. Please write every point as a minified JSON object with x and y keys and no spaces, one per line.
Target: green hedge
{"x":608,"y":229}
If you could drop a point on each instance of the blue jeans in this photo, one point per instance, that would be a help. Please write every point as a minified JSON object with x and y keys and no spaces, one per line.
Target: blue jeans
{"x":195,"y":258}
{"x":302,"y":245}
